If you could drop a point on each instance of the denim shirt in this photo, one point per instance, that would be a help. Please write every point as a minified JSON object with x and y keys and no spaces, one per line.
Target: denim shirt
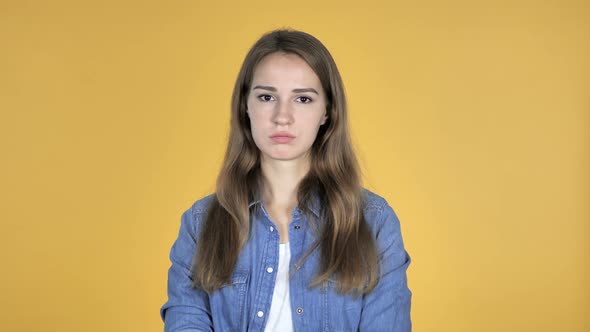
{"x":244,"y":304}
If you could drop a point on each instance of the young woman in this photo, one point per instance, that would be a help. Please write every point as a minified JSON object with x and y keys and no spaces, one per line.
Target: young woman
{"x":290,"y":241}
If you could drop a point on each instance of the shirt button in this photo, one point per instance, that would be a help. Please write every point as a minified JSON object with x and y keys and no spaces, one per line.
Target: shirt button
{"x":272,"y":229}
{"x":297,"y":227}
{"x":299,"y":311}
{"x":269,"y":269}
{"x":260,"y":314}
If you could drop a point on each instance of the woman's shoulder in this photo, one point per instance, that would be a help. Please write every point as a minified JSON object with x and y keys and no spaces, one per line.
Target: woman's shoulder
{"x":192,"y":219}
{"x":195,"y":214}
{"x":201,"y":205}
{"x":378,"y":212}
{"x":373,"y":201}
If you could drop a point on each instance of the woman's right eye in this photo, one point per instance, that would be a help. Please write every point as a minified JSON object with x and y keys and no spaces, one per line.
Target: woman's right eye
{"x":265,"y":97}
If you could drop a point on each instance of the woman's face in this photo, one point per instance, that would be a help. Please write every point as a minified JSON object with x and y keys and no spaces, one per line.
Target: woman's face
{"x":286,"y":105}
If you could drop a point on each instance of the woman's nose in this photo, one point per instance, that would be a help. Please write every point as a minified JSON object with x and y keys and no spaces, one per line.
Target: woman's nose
{"x":283,"y":113}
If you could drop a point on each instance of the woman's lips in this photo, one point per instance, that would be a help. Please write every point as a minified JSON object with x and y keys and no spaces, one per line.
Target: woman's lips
{"x":282,"y":138}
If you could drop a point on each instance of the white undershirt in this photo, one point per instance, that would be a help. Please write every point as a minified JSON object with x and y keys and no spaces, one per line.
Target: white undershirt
{"x":279,"y":318}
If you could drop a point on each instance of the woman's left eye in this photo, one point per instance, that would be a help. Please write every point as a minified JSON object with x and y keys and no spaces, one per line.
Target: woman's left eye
{"x":304,"y":99}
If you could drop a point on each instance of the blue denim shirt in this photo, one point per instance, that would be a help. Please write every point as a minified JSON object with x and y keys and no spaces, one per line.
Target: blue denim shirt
{"x":244,"y":304}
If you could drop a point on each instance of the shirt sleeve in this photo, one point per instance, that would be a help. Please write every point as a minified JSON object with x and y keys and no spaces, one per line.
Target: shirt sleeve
{"x":187,"y":308}
{"x":387,"y":307}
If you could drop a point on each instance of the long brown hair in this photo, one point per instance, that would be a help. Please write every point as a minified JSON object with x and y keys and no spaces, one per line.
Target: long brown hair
{"x":348,"y":250}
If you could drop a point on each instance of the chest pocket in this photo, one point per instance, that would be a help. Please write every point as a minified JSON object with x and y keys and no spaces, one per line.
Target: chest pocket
{"x":228,"y":304}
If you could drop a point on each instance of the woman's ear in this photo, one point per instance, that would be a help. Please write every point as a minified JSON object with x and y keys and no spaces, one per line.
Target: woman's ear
{"x":324,"y":118}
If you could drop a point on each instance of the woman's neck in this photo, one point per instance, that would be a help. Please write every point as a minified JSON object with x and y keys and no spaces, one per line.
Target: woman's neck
{"x":281,"y":180}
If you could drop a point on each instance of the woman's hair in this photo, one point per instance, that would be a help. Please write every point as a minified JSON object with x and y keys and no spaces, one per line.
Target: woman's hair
{"x":347,"y":248}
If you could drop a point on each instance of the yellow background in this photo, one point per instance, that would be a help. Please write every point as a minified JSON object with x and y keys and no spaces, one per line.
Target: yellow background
{"x":472,"y":119}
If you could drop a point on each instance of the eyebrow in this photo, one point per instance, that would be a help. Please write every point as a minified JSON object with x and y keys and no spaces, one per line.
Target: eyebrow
{"x":272,"y":88}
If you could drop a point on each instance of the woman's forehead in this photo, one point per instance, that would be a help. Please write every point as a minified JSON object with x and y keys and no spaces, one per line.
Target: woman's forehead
{"x":284,"y":69}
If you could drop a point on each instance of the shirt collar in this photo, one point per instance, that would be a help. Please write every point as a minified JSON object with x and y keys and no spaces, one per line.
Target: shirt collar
{"x":314,"y":204}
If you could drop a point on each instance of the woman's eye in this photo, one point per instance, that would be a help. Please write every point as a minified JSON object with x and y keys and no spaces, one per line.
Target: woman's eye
{"x":265,"y":97}
{"x":304,"y":99}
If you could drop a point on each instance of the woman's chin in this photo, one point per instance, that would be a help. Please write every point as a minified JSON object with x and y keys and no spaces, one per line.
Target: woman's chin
{"x":284,"y":156}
